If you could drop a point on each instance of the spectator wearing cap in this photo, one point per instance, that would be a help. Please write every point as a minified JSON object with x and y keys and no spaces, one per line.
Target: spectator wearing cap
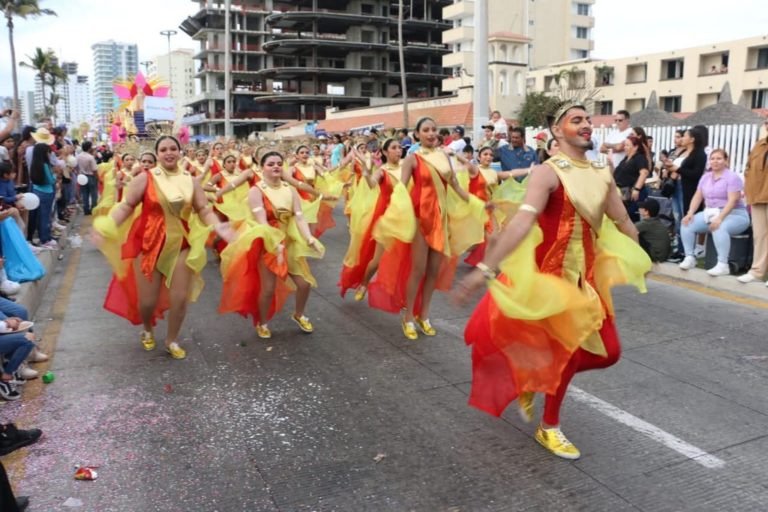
{"x":457,"y":143}
{"x":516,"y":155}
{"x":653,"y":234}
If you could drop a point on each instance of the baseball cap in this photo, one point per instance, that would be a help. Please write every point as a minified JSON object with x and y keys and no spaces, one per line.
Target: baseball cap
{"x":651,"y":205}
{"x":460,"y":130}
{"x":487,"y":127}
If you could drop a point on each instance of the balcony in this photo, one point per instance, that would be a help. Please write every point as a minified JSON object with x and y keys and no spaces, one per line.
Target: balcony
{"x":458,"y":35}
{"x":458,"y":59}
{"x":460,"y":10}
{"x":583,"y":21}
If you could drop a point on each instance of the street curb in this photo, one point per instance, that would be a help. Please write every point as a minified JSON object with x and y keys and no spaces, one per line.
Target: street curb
{"x":728,"y":284}
{"x":31,"y":293}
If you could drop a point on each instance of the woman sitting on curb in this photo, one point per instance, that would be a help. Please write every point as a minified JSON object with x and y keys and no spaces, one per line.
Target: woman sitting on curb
{"x":724,"y":215}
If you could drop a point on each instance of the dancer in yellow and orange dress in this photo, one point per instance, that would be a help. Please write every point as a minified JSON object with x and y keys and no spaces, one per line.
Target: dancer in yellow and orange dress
{"x":548,"y":313}
{"x":158,"y":255}
{"x":314,"y":182}
{"x":449,"y":221}
{"x":377,"y":223}
{"x":483,"y":183}
{"x":147,"y":162}
{"x":214,"y":164}
{"x":268,"y":259}
{"x":196,"y":166}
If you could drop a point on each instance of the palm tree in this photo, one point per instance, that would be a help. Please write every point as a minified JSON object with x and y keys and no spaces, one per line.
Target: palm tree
{"x":41,"y":62}
{"x":22,"y":9}
{"x":402,"y":63}
{"x":56,"y":76}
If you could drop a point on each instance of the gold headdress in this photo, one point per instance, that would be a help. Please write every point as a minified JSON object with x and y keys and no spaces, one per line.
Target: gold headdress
{"x":572,"y":98}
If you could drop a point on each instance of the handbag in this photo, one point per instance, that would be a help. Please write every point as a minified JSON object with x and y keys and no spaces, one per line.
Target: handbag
{"x":668,"y":187}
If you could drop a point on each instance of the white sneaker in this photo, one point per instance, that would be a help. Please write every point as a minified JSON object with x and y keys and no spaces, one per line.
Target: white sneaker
{"x":35,"y":249}
{"x":37,"y":356}
{"x":721,"y":269}
{"x":747,"y":278}
{"x":688,"y":263}
{"x":50,"y":245}
{"x":27,"y":373}
{"x":699,"y":251}
{"x":58,"y":226}
{"x":9,"y":287}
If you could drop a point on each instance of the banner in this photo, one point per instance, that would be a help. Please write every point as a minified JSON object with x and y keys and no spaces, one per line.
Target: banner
{"x":159,"y":109}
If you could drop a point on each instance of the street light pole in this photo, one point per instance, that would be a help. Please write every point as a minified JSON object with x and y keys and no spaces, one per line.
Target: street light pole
{"x":146,"y":64}
{"x":168,"y":34}
{"x":481,"y":91}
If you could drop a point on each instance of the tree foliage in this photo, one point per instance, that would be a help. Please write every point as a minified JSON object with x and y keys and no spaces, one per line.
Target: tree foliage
{"x":536,"y":107}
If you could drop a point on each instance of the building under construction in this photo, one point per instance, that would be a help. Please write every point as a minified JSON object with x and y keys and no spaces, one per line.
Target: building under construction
{"x":291,"y":59}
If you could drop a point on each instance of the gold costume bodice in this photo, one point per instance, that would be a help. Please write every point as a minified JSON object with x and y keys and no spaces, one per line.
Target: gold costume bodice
{"x":281,"y":199}
{"x":394,"y":171}
{"x":489,"y":175}
{"x":438,"y":161}
{"x":177,"y":187}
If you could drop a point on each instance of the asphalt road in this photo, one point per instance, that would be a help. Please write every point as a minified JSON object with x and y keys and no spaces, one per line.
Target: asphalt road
{"x":356,"y":418}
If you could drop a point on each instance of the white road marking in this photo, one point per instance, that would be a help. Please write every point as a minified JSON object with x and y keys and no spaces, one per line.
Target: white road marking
{"x":670,"y":441}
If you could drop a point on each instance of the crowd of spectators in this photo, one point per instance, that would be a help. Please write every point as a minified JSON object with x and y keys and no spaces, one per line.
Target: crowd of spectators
{"x":678,"y":197}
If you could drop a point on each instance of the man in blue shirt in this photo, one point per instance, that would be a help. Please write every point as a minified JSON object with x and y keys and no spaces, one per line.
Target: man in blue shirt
{"x":516,"y":155}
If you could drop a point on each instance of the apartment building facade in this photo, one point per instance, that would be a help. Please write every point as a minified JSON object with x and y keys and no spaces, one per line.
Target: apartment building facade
{"x":521,"y":34}
{"x":685,"y":80}
{"x":112,"y":60}
{"x":177,"y":69}
{"x":291,"y":59}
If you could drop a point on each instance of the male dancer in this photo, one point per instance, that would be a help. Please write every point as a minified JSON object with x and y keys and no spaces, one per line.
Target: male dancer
{"x":548,"y":313}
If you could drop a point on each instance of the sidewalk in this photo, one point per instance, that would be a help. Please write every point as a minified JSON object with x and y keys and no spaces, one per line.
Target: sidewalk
{"x":699,"y":277}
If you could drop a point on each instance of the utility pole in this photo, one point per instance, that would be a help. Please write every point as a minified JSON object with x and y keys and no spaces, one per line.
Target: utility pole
{"x":168,"y":34}
{"x":146,"y":65}
{"x":480,"y":92}
{"x":227,"y":67}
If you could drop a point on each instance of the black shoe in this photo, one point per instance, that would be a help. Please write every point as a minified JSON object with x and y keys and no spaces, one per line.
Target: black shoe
{"x":676,"y":258}
{"x":8,"y":391}
{"x":22,"y":502}
{"x":12,"y":438}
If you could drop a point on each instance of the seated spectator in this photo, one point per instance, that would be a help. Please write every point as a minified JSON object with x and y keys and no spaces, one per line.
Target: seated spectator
{"x":9,"y":199}
{"x":15,"y":347}
{"x":724,"y":215}
{"x":653,"y":234}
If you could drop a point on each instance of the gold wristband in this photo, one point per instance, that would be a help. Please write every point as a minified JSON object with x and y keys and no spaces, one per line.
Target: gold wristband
{"x":487,"y":271}
{"x":529,"y":208}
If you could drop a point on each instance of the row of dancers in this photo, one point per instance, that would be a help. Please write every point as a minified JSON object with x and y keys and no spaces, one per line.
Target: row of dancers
{"x":549,"y":249}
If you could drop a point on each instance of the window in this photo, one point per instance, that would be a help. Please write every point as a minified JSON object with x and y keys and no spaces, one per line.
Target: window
{"x":503,"y":53}
{"x":503,"y":84}
{"x":582,"y":33}
{"x":579,"y":54}
{"x":366,"y":36}
{"x":367,"y":62}
{"x":366,"y":8}
{"x":760,"y":98}
{"x":672,"y":69}
{"x":606,"y":108}
{"x":582,"y":9}
{"x":366,"y":89}
{"x":671,"y":103}
{"x":762,"y":58}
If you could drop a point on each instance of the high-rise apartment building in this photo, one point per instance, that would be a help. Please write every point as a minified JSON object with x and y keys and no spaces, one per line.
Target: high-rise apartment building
{"x":111,"y":60}
{"x":178,"y":71}
{"x":522,"y":34}
{"x":293,"y":58}
{"x":74,"y":103}
{"x":27,"y":107}
{"x":560,"y":30}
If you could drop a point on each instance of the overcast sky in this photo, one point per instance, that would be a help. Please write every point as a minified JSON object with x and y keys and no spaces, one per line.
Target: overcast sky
{"x":646,"y":27}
